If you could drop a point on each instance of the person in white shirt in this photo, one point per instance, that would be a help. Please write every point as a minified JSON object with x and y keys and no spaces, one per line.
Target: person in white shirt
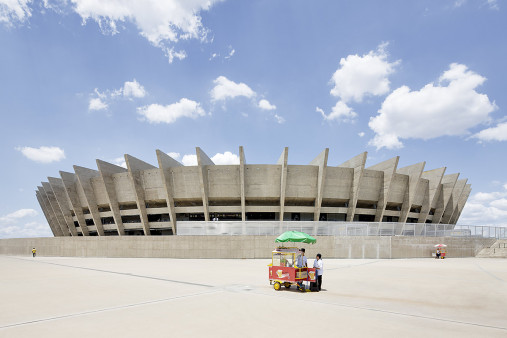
{"x":319,"y":266}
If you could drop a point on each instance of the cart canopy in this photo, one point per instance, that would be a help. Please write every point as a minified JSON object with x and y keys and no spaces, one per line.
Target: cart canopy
{"x":296,"y":236}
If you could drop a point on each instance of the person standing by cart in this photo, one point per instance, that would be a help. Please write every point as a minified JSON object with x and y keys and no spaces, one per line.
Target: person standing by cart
{"x":319,"y":266}
{"x":438,"y":253}
{"x":34,"y":252}
{"x":301,"y":262}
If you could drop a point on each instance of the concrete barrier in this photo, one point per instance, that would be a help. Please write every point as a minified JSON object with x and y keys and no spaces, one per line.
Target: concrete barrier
{"x":239,"y":246}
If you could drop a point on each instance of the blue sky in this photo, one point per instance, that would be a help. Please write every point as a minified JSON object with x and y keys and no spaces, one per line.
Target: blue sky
{"x":423,"y":80}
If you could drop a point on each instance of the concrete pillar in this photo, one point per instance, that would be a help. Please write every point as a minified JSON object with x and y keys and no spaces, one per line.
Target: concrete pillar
{"x":283,"y":179}
{"x":456,"y":193}
{"x":69,"y":182}
{"x":46,"y":213}
{"x":389,"y":168}
{"x":203,"y":161}
{"x":321,"y":161}
{"x":165,"y":163}
{"x":242,"y":163}
{"x":56,"y":209}
{"x":135,"y":166}
{"x":84,"y":176}
{"x":106,"y":171}
{"x":461,"y":203}
{"x":414,"y":173}
{"x":63,"y":202}
{"x":434,"y":178}
{"x":357,"y":163}
{"x":448,"y":183}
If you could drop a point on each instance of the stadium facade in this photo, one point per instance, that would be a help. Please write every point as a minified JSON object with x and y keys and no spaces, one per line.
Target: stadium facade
{"x":148,"y":200}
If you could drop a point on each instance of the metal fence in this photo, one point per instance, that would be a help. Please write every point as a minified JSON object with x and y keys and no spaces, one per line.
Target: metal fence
{"x":270,"y":228}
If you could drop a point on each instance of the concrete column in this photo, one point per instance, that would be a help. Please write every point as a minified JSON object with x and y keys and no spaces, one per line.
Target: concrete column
{"x":461,"y":203}
{"x":84,"y":176}
{"x":56,"y":209}
{"x":63,"y":202}
{"x":46,"y":213}
{"x":389,"y":168}
{"x":135,"y":166}
{"x":321,"y":161}
{"x":456,"y":193}
{"x":414,"y":173}
{"x":434,"y":178}
{"x":69,"y":182}
{"x":357,"y":163}
{"x":283,"y":179}
{"x":242,"y":163}
{"x":203,"y":161}
{"x":165,"y":163}
{"x":106,"y":171}
{"x":448,"y":183}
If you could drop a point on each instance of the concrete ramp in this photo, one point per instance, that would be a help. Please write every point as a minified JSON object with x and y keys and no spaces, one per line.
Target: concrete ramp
{"x":496,"y":250}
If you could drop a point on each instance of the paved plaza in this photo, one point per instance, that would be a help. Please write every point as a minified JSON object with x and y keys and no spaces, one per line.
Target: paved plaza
{"x":150,"y":297}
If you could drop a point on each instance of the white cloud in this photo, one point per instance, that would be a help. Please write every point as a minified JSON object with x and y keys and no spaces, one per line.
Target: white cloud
{"x":493,"y":4}
{"x":361,"y":134}
{"x":156,"y":113}
{"x":189,"y":160}
{"x":225,"y":158}
{"x":97,"y":104}
{"x":486,"y":208}
{"x":340,"y":112}
{"x":120,"y":161}
{"x":359,"y":76}
{"x":449,"y":108}
{"x":14,"y":11}
{"x":279,"y":119}
{"x":498,"y":133}
{"x":459,"y":3}
{"x":134,"y":89}
{"x":227,"y":89}
{"x":162,"y":22}
{"x":16,"y":215}
{"x":264,"y":104}
{"x":43,"y":154}
{"x":174,"y":155}
{"x":232,"y":51}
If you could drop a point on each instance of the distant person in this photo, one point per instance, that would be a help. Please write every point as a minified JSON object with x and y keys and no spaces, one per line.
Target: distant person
{"x":301,"y":262}
{"x":34,"y":252}
{"x":319,"y":266}
{"x":438,"y":253}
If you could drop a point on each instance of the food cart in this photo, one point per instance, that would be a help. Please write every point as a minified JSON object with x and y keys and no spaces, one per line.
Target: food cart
{"x":443,"y":250}
{"x":282,"y":270}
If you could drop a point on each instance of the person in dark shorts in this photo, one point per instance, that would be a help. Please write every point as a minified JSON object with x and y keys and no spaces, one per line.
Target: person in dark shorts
{"x":34,"y":252}
{"x":319,"y":266}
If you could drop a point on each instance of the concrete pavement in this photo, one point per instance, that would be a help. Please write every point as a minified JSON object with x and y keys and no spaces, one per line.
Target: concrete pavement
{"x":156,"y":297}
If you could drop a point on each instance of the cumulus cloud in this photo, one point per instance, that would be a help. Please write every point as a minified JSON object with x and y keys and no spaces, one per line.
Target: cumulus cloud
{"x":486,"y":208}
{"x":226,"y":89}
{"x":12,"y":11}
{"x":498,"y":133}
{"x":129,"y":90}
{"x":43,"y":154}
{"x":360,"y":76}
{"x":264,"y":104}
{"x":451,"y":107}
{"x":174,"y":155}
{"x":133,"y":89}
{"x":20,"y":224}
{"x":340,"y":112}
{"x":225,"y":158}
{"x":161,"y":22}
{"x":189,"y":160}
{"x":156,"y":113}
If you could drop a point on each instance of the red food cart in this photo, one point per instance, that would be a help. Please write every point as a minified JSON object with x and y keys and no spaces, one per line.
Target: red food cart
{"x":282,"y":270}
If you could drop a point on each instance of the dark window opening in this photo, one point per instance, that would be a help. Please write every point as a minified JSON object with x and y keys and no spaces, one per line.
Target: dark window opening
{"x":432,"y":211}
{"x":131,"y":219}
{"x":323,"y":217}
{"x":188,"y":203}
{"x":110,"y":233}
{"x":263,"y":202}
{"x":107,"y":220}
{"x":336,"y":217}
{"x":365,"y":218}
{"x":104,"y":208}
{"x":72,"y":213}
{"x":220,"y":216}
{"x":76,"y":224}
{"x":158,"y":218}
{"x":222,"y":203}
{"x":300,"y":203}
{"x":161,"y":232}
{"x":127,"y":206}
{"x":390,"y":219}
{"x":260,"y":216}
{"x":80,"y":234}
{"x":156,"y":204}
{"x":134,"y":233}
{"x":412,"y":220}
{"x":331,"y":203}
{"x":416,"y":209}
{"x":86,"y":211}
{"x":366,"y":205}
{"x":295,"y":216}
{"x":93,"y":233}
{"x":89,"y":222}
{"x":393,"y":206}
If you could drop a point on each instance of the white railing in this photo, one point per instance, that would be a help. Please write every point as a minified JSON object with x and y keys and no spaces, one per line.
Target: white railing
{"x":272,"y":228}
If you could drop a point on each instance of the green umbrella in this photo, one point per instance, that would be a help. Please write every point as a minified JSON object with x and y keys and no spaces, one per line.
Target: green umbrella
{"x":295,"y":236}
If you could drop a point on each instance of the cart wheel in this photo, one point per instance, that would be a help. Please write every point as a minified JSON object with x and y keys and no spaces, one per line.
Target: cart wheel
{"x":277,"y":286}
{"x":287,"y":285}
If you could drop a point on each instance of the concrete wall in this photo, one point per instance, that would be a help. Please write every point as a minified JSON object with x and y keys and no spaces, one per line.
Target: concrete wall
{"x":239,"y":246}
